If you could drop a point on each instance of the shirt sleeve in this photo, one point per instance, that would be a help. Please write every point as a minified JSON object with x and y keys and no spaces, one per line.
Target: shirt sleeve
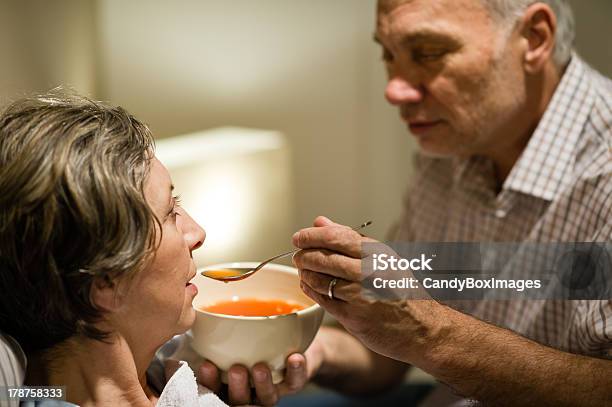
{"x":593,"y":329}
{"x":597,"y":320}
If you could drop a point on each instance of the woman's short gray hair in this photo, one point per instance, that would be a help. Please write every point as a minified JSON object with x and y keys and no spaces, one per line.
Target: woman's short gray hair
{"x":72,"y":212}
{"x":510,"y":10}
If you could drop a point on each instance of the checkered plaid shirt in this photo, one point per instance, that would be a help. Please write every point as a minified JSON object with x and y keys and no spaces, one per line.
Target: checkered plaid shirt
{"x":560,"y":190}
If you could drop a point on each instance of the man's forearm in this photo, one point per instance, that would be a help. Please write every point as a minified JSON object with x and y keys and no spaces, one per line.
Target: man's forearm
{"x":496,"y":366}
{"x":351,"y":368}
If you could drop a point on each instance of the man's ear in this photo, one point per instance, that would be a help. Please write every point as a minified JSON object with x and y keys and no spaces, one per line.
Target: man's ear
{"x":538,"y":28}
{"x":104,"y":294}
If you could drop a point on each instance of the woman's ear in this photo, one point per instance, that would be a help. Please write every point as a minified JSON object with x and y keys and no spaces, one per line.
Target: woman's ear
{"x":104,"y":294}
{"x":539,"y":26}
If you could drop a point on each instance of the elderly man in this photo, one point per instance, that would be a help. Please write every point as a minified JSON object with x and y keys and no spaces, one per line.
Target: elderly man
{"x":515,"y":145}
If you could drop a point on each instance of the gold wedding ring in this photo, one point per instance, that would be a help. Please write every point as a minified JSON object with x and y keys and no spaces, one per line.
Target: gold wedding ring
{"x":330,"y":288}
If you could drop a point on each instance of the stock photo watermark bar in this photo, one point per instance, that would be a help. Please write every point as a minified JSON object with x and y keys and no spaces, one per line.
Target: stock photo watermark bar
{"x":476,"y":271}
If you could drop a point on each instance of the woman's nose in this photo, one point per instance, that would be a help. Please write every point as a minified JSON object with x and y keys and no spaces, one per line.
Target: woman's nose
{"x":400,"y":91}
{"x":193,"y":232}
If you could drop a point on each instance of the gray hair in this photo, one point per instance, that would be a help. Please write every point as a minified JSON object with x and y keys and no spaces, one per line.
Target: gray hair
{"x":72,"y":211}
{"x":509,"y":11}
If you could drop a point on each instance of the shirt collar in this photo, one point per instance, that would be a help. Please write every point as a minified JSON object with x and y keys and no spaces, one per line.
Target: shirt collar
{"x":545,"y":168}
{"x":475,"y":172}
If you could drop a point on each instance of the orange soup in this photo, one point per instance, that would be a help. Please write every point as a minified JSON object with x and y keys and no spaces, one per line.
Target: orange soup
{"x":253,"y":307}
{"x":223,"y":273}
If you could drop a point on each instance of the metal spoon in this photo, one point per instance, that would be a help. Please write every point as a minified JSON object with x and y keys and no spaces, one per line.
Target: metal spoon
{"x":238,"y":273}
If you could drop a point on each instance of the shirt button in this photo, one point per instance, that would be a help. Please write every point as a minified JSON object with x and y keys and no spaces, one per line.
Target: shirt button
{"x":500,"y":213}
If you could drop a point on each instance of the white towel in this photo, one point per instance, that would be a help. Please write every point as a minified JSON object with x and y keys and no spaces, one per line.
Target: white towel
{"x":182,"y":389}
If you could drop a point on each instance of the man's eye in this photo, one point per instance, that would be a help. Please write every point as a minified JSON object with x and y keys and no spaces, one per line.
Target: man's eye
{"x":386,"y":56}
{"x":429,"y":55}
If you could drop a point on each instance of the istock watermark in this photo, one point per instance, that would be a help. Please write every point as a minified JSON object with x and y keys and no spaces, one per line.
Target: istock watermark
{"x":475,"y":271}
{"x":382,"y":262}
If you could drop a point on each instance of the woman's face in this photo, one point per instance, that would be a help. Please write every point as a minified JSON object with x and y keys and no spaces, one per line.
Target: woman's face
{"x":158,"y":300}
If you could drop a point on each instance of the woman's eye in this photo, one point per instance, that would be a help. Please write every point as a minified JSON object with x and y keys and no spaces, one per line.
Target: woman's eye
{"x":177,"y":205}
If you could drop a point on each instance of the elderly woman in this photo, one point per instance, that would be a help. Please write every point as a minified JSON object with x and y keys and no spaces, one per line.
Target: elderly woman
{"x":95,"y":263}
{"x":95,"y":251}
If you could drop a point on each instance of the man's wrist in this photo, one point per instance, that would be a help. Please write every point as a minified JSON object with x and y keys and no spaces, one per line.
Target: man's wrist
{"x":437,"y":326}
{"x":458,"y":345}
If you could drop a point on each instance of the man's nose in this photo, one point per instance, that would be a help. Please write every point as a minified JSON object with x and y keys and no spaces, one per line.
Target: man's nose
{"x":194,"y":234}
{"x":400,"y":91}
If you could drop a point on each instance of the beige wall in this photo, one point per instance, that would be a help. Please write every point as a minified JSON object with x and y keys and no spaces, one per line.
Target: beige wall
{"x":44,"y":44}
{"x":593,"y":32}
{"x":307,"y":68}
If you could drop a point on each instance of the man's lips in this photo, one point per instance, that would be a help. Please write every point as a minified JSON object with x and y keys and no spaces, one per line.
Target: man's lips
{"x":418,"y":121}
{"x":422,"y":122}
{"x":419,"y":127}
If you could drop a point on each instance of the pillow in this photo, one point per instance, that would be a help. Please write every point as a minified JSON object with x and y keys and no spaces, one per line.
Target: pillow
{"x":12,"y":364}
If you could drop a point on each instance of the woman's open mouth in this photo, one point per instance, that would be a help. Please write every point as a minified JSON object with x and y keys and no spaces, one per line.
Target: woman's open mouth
{"x":191,"y":288}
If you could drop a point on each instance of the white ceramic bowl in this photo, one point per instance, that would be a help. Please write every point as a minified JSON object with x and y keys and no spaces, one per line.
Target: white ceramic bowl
{"x":226,"y":340}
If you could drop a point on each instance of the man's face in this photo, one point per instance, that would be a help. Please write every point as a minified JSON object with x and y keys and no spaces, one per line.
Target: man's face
{"x":453,"y":73}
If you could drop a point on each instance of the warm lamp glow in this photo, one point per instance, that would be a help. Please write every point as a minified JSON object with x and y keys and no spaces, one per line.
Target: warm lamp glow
{"x":235,"y":183}
{"x":224,"y":221}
